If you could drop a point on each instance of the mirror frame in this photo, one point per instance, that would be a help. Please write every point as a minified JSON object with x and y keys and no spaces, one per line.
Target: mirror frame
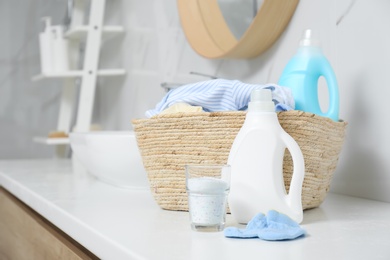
{"x":209,"y":35}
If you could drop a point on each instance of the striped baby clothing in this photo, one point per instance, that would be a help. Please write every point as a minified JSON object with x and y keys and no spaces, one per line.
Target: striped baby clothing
{"x":222,"y":95}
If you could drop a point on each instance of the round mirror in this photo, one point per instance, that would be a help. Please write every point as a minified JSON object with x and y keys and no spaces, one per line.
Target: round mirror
{"x":239,"y":15}
{"x":209,"y":34}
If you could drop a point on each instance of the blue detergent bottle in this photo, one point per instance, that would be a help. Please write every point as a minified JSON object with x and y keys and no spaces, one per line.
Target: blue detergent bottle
{"x":302,"y":74}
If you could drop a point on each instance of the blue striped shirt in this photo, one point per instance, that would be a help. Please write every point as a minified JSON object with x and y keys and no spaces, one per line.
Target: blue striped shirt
{"x":222,"y":95}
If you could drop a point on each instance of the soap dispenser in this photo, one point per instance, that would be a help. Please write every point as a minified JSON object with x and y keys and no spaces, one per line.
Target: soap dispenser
{"x":60,"y":46}
{"x":256,"y":159}
{"x":302,"y":73}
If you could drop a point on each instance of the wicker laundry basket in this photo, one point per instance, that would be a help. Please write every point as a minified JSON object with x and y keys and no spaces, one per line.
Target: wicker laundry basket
{"x":168,"y":142}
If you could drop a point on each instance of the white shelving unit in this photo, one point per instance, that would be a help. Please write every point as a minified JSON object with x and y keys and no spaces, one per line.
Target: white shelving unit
{"x":92,"y":34}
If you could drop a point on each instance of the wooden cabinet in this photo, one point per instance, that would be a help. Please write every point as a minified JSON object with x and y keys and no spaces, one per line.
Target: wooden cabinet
{"x":24,"y":234}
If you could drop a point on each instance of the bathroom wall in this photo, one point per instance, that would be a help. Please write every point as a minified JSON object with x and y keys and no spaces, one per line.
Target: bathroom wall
{"x":27,"y":108}
{"x":354,"y":35}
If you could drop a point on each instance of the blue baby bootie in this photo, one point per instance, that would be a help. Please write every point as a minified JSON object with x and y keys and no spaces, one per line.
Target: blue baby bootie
{"x":275,"y":226}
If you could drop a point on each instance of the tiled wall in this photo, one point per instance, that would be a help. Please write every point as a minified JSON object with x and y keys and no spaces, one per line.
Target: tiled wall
{"x":355,"y":37}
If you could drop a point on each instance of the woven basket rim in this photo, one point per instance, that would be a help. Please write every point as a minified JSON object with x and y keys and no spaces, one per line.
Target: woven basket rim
{"x":232,"y":113}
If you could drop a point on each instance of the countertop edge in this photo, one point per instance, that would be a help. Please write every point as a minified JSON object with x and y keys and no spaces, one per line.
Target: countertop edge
{"x":67,"y":223}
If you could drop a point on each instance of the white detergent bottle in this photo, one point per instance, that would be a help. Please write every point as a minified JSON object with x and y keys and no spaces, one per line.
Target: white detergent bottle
{"x":256,"y":159}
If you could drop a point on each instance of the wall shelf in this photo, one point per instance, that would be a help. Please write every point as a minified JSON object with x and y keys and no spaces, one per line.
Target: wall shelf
{"x":59,"y":75}
{"x":111,"y":72}
{"x":78,"y":74}
{"x":51,"y":141}
{"x":81,"y":32}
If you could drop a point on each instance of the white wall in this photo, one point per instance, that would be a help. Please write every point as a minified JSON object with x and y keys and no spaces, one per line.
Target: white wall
{"x":26,"y":109}
{"x":355,"y":37}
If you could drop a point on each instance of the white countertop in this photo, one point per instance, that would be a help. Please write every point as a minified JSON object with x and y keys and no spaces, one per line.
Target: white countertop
{"x":116,"y":223}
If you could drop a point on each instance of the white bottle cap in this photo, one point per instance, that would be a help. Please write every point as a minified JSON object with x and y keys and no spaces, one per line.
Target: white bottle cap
{"x":261,"y":101}
{"x":308,"y":39}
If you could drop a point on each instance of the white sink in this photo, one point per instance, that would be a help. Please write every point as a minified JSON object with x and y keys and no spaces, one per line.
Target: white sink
{"x":111,"y":156}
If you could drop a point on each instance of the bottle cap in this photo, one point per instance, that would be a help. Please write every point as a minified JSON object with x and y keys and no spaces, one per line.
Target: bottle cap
{"x":261,"y":101}
{"x":308,"y":39}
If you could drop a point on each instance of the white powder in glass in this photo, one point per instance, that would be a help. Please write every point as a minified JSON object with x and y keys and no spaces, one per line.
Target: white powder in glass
{"x":207,"y":200}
